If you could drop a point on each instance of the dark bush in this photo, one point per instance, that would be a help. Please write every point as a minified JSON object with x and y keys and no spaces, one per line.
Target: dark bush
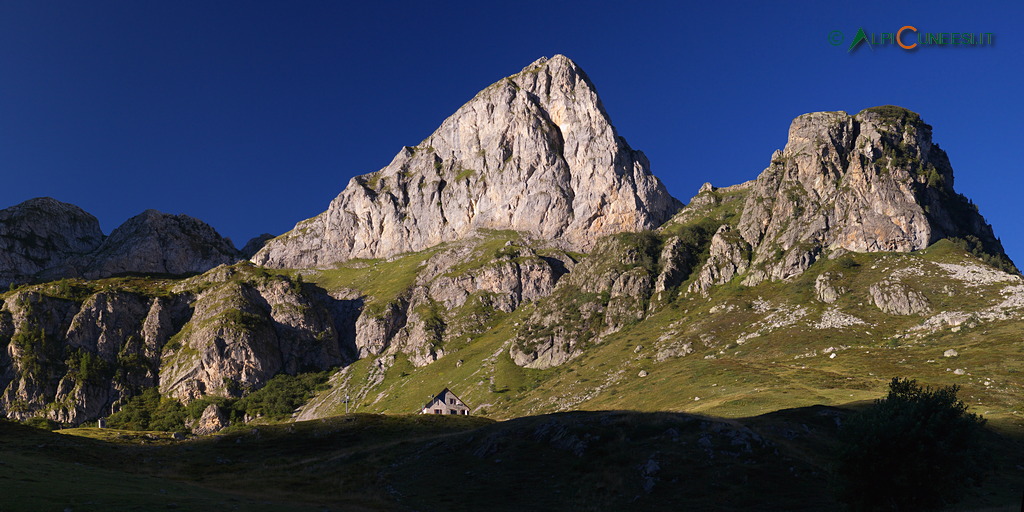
{"x":916,"y":449}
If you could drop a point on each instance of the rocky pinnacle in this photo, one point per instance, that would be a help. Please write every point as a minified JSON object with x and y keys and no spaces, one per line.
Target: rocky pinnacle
{"x":535,"y":152}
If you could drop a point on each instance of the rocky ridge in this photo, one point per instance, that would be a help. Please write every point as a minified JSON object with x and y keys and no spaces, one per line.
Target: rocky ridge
{"x":159,"y":243}
{"x":44,"y":240}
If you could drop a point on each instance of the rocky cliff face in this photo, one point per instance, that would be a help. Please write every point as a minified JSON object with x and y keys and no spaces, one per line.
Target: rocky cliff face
{"x":535,"y":152}
{"x":42,"y":234}
{"x":70,"y":360}
{"x":44,"y":239}
{"x":74,"y":351}
{"x":246,"y":327}
{"x":870,"y":182}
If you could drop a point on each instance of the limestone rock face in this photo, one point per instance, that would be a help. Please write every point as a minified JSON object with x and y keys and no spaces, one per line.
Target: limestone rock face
{"x":729,"y":256}
{"x":534,"y":152}
{"x":159,"y":243}
{"x":869,"y":182}
{"x":244,"y":330}
{"x":69,"y":361}
{"x":43,"y":233}
{"x":898,"y":299}
{"x":677,"y":263}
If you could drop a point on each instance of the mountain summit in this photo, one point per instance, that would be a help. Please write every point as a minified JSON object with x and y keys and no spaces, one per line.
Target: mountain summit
{"x":534,"y":152}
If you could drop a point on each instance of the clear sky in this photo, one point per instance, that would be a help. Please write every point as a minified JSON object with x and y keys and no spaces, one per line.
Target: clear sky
{"x":253,"y":115}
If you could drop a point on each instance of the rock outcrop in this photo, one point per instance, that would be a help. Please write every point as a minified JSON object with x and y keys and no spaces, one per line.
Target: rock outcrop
{"x":869,"y":182}
{"x":728,"y":257}
{"x":826,"y":290}
{"x":159,"y":243}
{"x":678,"y":262}
{"x":535,"y":152}
{"x":41,"y":234}
{"x":246,"y":327}
{"x":897,"y":298}
{"x":213,"y":419}
{"x":611,"y":288}
{"x":73,"y":352}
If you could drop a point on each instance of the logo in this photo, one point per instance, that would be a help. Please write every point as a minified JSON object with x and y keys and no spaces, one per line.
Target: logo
{"x":908,"y":37}
{"x":858,"y":39}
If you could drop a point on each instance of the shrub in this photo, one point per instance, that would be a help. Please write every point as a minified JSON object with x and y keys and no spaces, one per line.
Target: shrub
{"x":42,"y":423}
{"x":275,"y":401}
{"x":280,"y":396}
{"x":149,"y":411}
{"x":916,"y":449}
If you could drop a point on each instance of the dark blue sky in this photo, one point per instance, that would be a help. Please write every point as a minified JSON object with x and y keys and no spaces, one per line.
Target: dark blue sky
{"x":254,"y":115}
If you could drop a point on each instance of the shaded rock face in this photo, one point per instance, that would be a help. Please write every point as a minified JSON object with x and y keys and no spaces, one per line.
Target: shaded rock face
{"x":213,"y":419}
{"x":255,"y":244}
{"x":535,"y":152}
{"x":246,"y":329}
{"x":623,"y":280}
{"x":44,"y":240}
{"x":159,"y":243}
{"x":72,"y":361}
{"x":677,"y":267}
{"x":447,"y":302}
{"x":869,"y":182}
{"x":77,"y":359}
{"x":43,"y":233}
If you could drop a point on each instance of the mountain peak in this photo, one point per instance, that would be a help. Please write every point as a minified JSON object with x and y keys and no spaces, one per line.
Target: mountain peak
{"x":534,"y":152}
{"x":558,"y":60}
{"x":154,"y":242}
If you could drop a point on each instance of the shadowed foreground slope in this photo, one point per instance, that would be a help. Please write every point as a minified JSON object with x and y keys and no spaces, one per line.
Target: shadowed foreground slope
{"x":616,"y":460}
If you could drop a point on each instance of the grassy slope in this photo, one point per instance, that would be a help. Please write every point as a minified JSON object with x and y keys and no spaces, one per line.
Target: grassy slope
{"x":786,"y":367}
